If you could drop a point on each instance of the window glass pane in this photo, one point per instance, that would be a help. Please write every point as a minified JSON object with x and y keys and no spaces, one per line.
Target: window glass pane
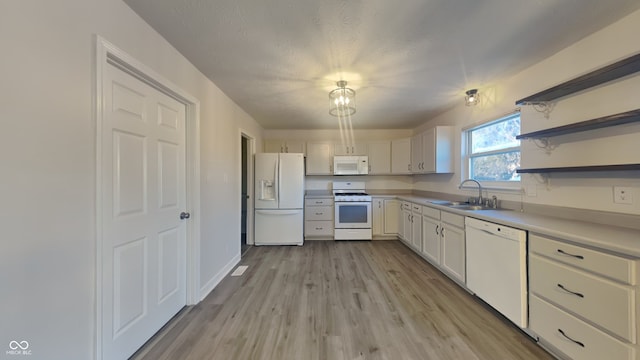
{"x":496,"y":167}
{"x":496,"y":136}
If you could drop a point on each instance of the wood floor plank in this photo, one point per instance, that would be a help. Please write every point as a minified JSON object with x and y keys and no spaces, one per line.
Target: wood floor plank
{"x":339,"y":300}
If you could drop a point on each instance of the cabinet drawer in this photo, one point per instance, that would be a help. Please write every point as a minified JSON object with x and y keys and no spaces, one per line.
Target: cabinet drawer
{"x":318,"y":202}
{"x":318,"y":228}
{"x":406,"y":206}
{"x":431,"y":212}
{"x":417,"y":209}
{"x":611,"y":266}
{"x":453,"y":219}
{"x":318,"y":213}
{"x":603,"y":302}
{"x":550,"y":322}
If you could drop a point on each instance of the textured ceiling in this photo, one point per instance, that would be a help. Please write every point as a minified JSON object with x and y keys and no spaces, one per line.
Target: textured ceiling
{"x":407,"y":59}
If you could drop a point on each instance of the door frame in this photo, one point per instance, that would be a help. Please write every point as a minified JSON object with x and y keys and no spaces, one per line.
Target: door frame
{"x":107,"y":53}
{"x":251,"y":151}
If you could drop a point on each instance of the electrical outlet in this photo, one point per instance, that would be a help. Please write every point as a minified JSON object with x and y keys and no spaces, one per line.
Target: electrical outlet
{"x":622,"y":195}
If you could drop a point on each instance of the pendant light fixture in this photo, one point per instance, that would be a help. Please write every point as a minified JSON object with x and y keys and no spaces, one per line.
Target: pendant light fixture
{"x":342,"y":101}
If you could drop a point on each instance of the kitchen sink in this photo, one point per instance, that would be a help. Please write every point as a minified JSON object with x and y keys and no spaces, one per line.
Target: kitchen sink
{"x":448,"y":203}
{"x":461,"y":205}
{"x":470,"y":207}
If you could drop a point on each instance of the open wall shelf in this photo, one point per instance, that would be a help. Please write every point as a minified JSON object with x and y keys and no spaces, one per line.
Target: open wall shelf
{"x":623,"y":167}
{"x":602,"y":122}
{"x":614,"y":71}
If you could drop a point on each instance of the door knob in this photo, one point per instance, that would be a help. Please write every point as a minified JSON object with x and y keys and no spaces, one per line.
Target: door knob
{"x":184,"y":215}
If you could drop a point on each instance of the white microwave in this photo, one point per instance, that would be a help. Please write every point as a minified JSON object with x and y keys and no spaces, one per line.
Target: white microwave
{"x":350,"y":165}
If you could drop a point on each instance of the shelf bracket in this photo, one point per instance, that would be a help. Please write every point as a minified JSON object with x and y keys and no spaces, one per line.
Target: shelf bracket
{"x":545,"y":107}
{"x":544,"y":143}
{"x":542,"y":179}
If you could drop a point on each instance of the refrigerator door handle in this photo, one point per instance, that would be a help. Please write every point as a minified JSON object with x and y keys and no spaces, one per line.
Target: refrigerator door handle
{"x":278,"y":212}
{"x":276,"y":179}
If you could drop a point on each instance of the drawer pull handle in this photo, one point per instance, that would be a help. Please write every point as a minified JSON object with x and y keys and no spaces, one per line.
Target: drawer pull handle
{"x":318,"y":228}
{"x":319,"y":213}
{"x":570,"y":292}
{"x":565,"y":335}
{"x":318,"y":202}
{"x":572,"y":255}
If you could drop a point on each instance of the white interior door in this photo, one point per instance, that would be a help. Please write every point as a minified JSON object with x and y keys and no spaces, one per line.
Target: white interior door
{"x":143,"y":193}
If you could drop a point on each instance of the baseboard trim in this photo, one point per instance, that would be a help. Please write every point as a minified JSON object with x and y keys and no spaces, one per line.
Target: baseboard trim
{"x":216,"y":279}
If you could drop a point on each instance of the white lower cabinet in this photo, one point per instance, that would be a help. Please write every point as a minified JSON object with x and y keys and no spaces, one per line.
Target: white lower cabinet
{"x":438,"y":236}
{"x":583,"y":302}
{"x":391,"y":216}
{"x":404,"y":222}
{"x":431,"y":235}
{"x":385,"y":217}
{"x":411,"y":228}
{"x":416,"y":227}
{"x":572,"y":336}
{"x":318,"y":218}
{"x":453,"y":256}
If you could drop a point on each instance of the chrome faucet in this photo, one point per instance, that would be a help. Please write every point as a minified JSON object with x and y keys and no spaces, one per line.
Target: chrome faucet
{"x":479,"y":188}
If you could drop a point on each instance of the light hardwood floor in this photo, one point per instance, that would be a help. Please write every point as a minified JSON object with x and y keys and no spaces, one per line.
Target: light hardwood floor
{"x":339,"y":300}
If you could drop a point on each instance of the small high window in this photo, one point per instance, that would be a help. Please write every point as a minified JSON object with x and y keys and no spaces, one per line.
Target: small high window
{"x":493,"y":152}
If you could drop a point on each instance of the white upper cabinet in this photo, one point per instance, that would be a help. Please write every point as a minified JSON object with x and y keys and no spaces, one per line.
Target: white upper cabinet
{"x":319,"y":158}
{"x":416,"y":154}
{"x":379,"y":157}
{"x":284,"y":146}
{"x":432,"y":151}
{"x":401,"y":156}
{"x":355,"y":149}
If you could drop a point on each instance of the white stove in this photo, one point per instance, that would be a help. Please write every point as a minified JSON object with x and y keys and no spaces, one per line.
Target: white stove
{"x":351,"y":196}
{"x":352,"y":211}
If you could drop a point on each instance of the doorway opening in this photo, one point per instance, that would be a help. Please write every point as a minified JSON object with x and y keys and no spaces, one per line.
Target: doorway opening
{"x":246,"y":202}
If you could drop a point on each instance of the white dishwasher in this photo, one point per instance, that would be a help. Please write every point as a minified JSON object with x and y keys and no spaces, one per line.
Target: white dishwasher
{"x":497,"y":267}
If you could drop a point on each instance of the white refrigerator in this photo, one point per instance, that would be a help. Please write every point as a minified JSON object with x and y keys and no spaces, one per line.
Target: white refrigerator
{"x":279,"y":199}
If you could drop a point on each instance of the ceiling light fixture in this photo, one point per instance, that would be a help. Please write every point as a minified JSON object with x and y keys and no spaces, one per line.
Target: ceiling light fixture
{"x":472,"y":98}
{"x":342,"y":101}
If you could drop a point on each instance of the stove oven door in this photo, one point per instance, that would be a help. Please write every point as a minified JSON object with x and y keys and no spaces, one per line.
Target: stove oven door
{"x":353,"y":215}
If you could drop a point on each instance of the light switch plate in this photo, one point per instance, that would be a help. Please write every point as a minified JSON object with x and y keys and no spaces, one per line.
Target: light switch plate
{"x":622,"y":195}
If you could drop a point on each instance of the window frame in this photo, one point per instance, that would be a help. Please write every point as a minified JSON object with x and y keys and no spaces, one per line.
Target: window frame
{"x":507,"y":185}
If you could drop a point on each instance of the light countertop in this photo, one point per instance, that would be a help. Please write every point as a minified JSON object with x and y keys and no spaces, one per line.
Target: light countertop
{"x":624,"y":241}
{"x":621,"y":240}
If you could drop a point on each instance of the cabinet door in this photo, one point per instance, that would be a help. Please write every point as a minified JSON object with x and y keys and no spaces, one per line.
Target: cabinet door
{"x":453,"y":252}
{"x":319,"y":158}
{"x":379,"y":157}
{"x":391,"y":216}
{"x":431,"y":239}
{"x":416,"y":154}
{"x":437,"y":150}
{"x":416,"y":231}
{"x":406,"y":226}
{"x":401,"y":156}
{"x":429,"y":150}
{"x":378,"y":216}
{"x":355,"y":149}
{"x":294,"y":146}
{"x":273,"y":146}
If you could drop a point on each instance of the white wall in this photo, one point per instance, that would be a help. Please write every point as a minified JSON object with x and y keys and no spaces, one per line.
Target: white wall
{"x":47,"y":153}
{"x":615,"y":145}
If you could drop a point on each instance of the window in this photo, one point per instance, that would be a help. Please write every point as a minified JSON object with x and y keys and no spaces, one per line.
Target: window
{"x":493,"y":152}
